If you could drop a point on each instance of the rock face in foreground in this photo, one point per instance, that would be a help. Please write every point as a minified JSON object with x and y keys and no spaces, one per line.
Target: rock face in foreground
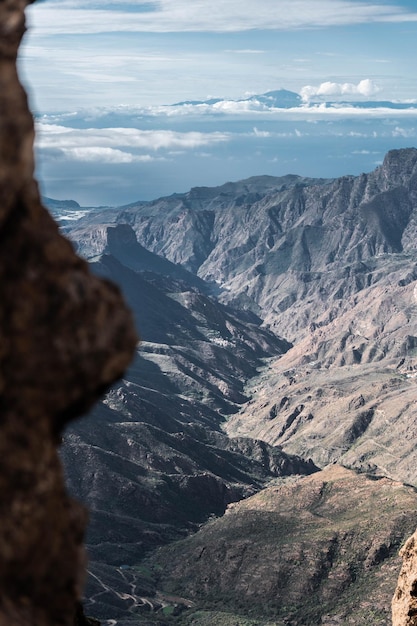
{"x":404,"y":603}
{"x":64,"y":337}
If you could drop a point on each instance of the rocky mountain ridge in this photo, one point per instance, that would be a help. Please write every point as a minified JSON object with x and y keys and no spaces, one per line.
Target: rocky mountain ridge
{"x":265,"y":239}
{"x":330,"y":266}
{"x":264,"y":244}
{"x":285,"y":306}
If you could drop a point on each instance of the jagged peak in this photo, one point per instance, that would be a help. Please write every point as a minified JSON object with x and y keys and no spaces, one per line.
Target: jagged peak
{"x":399,"y":165}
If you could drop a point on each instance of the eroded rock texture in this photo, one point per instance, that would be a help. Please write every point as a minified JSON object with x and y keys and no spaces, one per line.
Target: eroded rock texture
{"x":64,"y":337}
{"x":404,"y":603}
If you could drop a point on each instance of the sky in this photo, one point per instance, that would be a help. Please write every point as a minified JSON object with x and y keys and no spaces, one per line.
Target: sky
{"x":134,"y":100}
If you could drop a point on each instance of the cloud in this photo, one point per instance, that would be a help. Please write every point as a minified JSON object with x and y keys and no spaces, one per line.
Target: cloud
{"x":254,"y":109}
{"x":236,"y":106}
{"x":116,"y":127}
{"x":404,"y":132}
{"x":261,"y":133}
{"x":103,"y":155}
{"x":118,"y":145}
{"x":116,"y":164}
{"x":76,"y":16}
{"x":365,"y":152}
{"x":365,"y":87}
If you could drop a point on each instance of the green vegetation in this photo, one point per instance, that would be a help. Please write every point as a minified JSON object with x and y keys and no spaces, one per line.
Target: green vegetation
{"x":299,"y":553}
{"x":145,"y":572}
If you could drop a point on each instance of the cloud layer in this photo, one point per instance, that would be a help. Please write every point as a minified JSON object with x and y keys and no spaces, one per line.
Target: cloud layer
{"x":118,"y":145}
{"x":74,"y":16}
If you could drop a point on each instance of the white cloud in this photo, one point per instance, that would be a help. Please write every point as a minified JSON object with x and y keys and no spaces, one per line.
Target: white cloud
{"x":103,"y":155}
{"x":254,"y":110}
{"x":404,"y":132}
{"x":364,"y":152}
{"x":237,"y":106}
{"x":53,"y":130}
{"x":246,"y":51}
{"x":73,"y":16}
{"x":261,"y":133}
{"x":118,"y":145}
{"x":365,"y":87}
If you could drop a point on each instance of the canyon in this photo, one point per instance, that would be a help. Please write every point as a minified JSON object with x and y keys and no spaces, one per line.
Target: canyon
{"x":278,"y":328}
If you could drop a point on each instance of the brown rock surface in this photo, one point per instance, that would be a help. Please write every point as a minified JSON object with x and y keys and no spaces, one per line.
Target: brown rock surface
{"x":404,"y":603}
{"x":64,"y":337}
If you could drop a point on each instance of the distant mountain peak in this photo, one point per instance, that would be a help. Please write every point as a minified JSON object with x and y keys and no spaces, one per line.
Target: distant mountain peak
{"x":279,"y":98}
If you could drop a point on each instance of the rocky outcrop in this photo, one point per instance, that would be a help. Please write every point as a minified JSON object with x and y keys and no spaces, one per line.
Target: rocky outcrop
{"x":404,"y":603}
{"x":64,"y":337}
{"x":82,"y":620}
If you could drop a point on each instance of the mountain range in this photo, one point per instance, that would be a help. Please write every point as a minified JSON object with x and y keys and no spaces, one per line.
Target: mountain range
{"x":279,"y":343}
{"x":285,"y":99}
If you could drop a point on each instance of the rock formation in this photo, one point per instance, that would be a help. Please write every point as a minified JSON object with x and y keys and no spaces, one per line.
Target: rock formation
{"x":404,"y":603}
{"x":64,"y":337}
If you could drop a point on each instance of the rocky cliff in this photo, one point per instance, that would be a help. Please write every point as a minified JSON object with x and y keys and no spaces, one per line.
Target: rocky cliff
{"x":65,"y":336}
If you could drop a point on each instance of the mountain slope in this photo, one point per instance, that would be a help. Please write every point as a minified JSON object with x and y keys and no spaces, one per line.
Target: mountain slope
{"x":330,"y":266}
{"x":303,"y":551}
{"x":272,"y":246}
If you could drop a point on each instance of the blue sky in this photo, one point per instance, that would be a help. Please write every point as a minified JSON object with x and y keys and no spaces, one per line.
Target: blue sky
{"x":102,"y":74}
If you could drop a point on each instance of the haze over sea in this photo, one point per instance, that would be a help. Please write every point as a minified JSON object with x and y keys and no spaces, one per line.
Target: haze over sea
{"x":143,"y":99}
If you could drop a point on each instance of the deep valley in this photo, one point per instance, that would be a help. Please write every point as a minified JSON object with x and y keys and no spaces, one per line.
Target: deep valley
{"x":257,"y":463}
